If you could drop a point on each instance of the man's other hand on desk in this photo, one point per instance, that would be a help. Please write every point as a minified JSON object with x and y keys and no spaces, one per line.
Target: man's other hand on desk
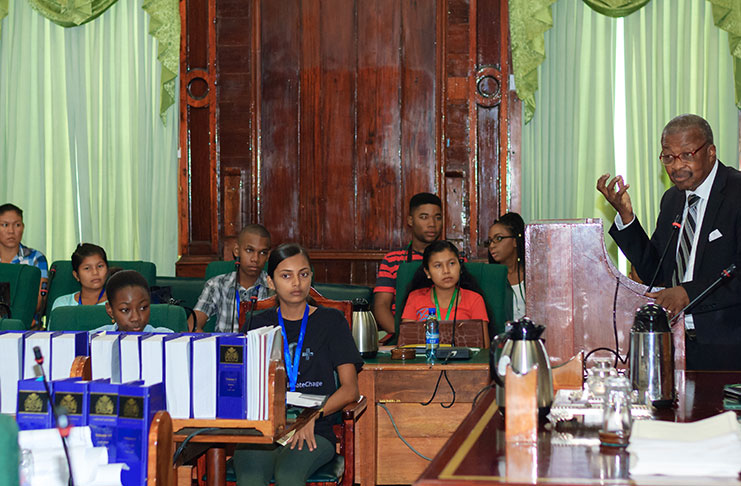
{"x":305,"y":434}
{"x":673,"y":299}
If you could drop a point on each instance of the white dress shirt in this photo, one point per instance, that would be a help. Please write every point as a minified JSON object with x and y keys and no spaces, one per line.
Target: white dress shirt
{"x":703,"y":192}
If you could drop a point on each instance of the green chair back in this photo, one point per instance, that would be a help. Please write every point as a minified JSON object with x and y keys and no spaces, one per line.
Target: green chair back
{"x":491,"y":279}
{"x":12,"y":325}
{"x":220,"y":267}
{"x":24,"y":290}
{"x":63,"y":282}
{"x":9,"y":446}
{"x":335,"y":291}
{"x":185,"y":289}
{"x":90,"y":317}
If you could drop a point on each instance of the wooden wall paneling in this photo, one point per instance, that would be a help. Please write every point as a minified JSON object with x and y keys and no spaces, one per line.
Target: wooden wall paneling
{"x":234,"y":32}
{"x":490,"y":92}
{"x":380,"y":211}
{"x":420,"y":163}
{"x":233,"y":184}
{"x":282,"y":58}
{"x":198,"y":165}
{"x":328,"y":198}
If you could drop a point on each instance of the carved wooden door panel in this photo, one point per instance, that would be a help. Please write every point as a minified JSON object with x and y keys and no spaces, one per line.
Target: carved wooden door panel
{"x":330,"y":114}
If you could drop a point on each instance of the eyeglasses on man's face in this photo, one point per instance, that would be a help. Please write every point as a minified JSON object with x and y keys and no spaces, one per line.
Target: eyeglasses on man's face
{"x":495,"y":239}
{"x":668,"y":159}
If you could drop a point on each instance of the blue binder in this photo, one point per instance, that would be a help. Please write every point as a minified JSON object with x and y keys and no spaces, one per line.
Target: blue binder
{"x":33,"y":405}
{"x":103,"y":414}
{"x":72,"y":395}
{"x":231,"y":389}
{"x":137,"y":407}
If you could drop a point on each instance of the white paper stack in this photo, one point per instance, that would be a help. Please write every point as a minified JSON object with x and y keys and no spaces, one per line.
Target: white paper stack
{"x":152,"y":359}
{"x":11,"y":349}
{"x":205,"y":360}
{"x":89,"y":464}
{"x":259,"y":349}
{"x":105,"y":355}
{"x":64,"y":352}
{"x":177,"y":376}
{"x":130,"y":357}
{"x":42,"y":339}
{"x":709,"y":447}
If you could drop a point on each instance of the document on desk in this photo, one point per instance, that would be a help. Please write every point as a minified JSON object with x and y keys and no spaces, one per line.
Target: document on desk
{"x":42,"y":339}
{"x":205,"y":359}
{"x":709,"y":447}
{"x":177,"y":376}
{"x":130,"y":345}
{"x":66,"y":346}
{"x":260,"y":344}
{"x":11,"y":347}
{"x":152,"y":351}
{"x":105,"y":355}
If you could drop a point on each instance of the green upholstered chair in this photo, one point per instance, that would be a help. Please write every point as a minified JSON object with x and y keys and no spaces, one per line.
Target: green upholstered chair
{"x":491,"y":279}
{"x":12,"y":325}
{"x":9,"y":446}
{"x":24,"y":290}
{"x":183,"y":289}
{"x":220,"y":267}
{"x":349,"y":292}
{"x":62,"y":282}
{"x":89,"y":317}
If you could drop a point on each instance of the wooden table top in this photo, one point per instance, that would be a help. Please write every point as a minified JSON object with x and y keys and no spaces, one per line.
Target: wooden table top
{"x":476,"y":452}
{"x":383,"y":361}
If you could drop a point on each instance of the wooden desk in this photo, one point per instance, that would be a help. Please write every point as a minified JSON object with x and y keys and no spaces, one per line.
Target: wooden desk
{"x":381,"y":457}
{"x":476,"y":453}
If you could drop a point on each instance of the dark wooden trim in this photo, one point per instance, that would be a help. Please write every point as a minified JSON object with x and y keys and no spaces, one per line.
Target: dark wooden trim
{"x":504,"y":107}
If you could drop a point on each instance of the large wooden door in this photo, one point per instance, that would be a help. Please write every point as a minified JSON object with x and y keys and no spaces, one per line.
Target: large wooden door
{"x":321,"y":118}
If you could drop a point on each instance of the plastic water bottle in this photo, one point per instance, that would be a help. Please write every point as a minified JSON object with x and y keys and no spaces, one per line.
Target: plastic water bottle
{"x":432,"y":335}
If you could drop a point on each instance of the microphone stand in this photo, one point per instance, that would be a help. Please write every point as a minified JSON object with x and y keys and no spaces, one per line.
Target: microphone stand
{"x":236,"y":290}
{"x":60,"y":419}
{"x":676,"y":224}
{"x":253,"y":304}
{"x":724,"y":274}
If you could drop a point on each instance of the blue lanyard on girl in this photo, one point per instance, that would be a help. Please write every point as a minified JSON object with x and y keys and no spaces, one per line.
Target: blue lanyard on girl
{"x":292,"y":368}
{"x":79,"y":298}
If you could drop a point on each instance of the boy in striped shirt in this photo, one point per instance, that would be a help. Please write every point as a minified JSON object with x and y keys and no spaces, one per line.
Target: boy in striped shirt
{"x":426,"y":222}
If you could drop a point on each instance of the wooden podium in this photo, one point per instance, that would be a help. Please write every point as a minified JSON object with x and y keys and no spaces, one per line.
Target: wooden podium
{"x":574,"y":289}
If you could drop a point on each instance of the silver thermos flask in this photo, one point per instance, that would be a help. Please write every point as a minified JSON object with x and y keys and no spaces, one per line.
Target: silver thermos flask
{"x":652,"y":355}
{"x":364,"y":328}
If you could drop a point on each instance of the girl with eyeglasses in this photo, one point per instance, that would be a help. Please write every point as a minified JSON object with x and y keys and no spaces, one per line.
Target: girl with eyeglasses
{"x":506,"y":243}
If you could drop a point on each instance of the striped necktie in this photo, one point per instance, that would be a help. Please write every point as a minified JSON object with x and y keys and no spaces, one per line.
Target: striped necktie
{"x":685,"y":242}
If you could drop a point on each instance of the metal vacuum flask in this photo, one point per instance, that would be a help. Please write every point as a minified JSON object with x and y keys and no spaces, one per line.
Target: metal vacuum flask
{"x":652,"y":355}
{"x":364,"y":328}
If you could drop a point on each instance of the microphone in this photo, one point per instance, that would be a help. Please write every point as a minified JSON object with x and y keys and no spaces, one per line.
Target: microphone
{"x":61,"y":420}
{"x":253,"y":304}
{"x":676,"y":224}
{"x":235,"y":311}
{"x":724,"y":274}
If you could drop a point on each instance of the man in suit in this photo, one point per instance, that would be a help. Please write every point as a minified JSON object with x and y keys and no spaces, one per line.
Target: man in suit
{"x":706,"y":199}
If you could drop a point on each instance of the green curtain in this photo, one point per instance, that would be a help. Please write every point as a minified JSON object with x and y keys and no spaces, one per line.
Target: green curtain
{"x":70,"y":13}
{"x":727,"y":16}
{"x":82,"y":147}
{"x":164,"y":26}
{"x":569,"y":142}
{"x":616,"y":8}
{"x":528,"y":21}
{"x":676,"y":61}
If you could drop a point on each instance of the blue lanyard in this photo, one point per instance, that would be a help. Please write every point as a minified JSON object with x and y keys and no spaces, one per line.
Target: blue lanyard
{"x":79,"y":297}
{"x":236,"y":297}
{"x":292,"y":369}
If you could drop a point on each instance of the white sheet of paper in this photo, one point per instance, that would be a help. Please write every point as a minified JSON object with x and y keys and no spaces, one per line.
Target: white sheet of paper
{"x":152,"y":352}
{"x":130,"y":358}
{"x":11,"y":349}
{"x":205,"y":360}
{"x":63,"y":354}
{"x":177,"y":376}
{"x":105,"y":357}
{"x":42,"y":339}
